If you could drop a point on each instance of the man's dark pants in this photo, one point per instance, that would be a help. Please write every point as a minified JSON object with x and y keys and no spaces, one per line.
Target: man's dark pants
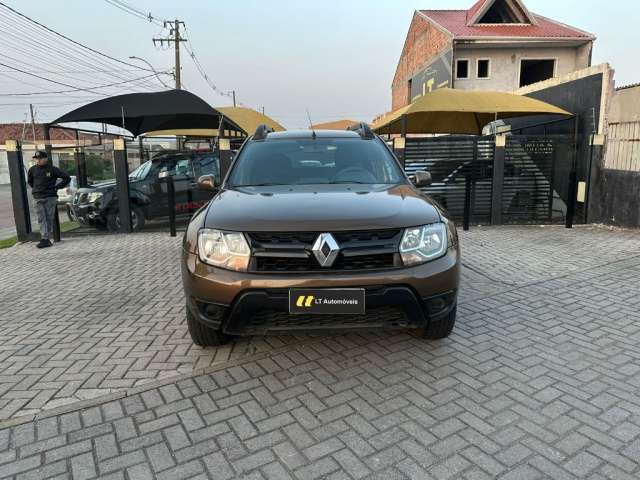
{"x":46,"y":208}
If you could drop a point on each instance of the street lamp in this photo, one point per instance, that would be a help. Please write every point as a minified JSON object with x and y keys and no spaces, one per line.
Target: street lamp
{"x":153,"y":69}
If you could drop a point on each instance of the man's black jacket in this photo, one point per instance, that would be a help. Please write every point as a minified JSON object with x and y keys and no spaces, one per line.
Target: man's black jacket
{"x":42,"y":180}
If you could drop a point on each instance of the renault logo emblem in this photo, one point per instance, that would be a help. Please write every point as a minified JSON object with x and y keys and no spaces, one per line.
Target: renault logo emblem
{"x":325,"y":249}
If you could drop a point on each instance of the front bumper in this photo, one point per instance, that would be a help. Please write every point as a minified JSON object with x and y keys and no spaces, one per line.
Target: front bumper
{"x":86,"y":214}
{"x":251,"y":303}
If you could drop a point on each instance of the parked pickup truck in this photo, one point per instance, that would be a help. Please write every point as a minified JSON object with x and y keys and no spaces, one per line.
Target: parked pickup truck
{"x":98,"y":205}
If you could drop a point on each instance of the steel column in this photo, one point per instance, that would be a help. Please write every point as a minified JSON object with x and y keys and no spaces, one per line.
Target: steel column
{"x":498,"y":180}
{"x":19,"y":196}
{"x":399,"y":146}
{"x":224,"y":148}
{"x":573,"y":178}
{"x":122,"y":184}
{"x":81,"y":164}
{"x":171,"y":204}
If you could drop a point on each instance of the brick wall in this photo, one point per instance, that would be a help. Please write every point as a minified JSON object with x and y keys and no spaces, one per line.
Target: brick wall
{"x":424,"y":41}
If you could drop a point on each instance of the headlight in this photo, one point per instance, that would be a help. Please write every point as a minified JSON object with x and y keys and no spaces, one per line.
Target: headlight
{"x":93,"y":197}
{"x":422,"y":244}
{"x":228,"y":250}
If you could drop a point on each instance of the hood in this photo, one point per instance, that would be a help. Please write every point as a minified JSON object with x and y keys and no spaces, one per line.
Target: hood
{"x":319,"y":208}
{"x":104,"y":185}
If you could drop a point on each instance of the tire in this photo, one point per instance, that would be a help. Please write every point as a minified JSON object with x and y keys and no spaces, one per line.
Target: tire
{"x":137,"y":218}
{"x":441,"y":329}
{"x":70,"y":215}
{"x":204,"y":336}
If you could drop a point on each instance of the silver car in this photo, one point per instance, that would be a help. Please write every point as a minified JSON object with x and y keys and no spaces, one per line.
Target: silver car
{"x":65,"y":195}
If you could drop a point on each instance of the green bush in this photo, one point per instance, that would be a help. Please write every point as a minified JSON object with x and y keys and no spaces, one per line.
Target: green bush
{"x":98,"y":167}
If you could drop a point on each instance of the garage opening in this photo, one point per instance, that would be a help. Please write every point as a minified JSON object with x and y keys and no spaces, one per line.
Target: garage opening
{"x":533,"y":71}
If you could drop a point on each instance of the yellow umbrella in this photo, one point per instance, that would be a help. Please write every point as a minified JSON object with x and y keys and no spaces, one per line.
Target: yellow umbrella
{"x":460,"y":111}
{"x":245,"y":118}
{"x":335,"y":125}
{"x":389,"y":118}
{"x":249,"y":119}
{"x":191,"y":132}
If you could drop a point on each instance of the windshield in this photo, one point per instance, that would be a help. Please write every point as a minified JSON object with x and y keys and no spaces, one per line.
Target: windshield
{"x":141,"y":172}
{"x":311,"y":162}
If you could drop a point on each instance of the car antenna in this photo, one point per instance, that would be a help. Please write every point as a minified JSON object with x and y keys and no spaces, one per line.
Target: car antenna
{"x":313,"y":132}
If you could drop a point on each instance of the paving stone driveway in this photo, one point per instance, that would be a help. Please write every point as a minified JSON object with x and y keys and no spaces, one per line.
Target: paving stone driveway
{"x":541,"y":378}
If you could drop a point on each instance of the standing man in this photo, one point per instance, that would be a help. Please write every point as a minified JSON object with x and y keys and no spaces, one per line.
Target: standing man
{"x":42,"y":179}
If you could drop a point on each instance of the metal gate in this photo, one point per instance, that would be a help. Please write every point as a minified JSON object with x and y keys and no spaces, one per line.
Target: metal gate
{"x":456,"y":163}
{"x":508,"y":179}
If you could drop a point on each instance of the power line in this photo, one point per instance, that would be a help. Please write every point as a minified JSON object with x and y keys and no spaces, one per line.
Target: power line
{"x":177,"y":39}
{"x":73,"y":52}
{"x":73,"y":90}
{"x":174,"y":36}
{"x":203,"y":74}
{"x":71,"y":40}
{"x":74,"y":87}
{"x":125,"y":7}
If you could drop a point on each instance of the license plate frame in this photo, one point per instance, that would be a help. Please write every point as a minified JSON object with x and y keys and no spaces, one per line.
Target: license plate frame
{"x":327,"y":301}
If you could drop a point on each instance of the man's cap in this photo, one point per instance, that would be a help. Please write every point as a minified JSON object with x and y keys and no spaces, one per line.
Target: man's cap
{"x":40,"y":154}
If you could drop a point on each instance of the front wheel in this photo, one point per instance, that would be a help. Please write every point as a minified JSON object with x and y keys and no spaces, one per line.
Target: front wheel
{"x":204,"y":336}
{"x":441,"y":329}
{"x":137,"y":219}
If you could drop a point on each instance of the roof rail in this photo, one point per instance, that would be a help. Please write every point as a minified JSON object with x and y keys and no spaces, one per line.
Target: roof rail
{"x":362,"y":129}
{"x":262,"y":131}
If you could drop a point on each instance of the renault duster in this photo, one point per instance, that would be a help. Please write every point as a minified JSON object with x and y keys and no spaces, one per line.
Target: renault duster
{"x":315,"y":232}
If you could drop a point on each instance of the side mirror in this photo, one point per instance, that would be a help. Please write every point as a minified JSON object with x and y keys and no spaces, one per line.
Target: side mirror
{"x":207,"y":182}
{"x":422,"y":179}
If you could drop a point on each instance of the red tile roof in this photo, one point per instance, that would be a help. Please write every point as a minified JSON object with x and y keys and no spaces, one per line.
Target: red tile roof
{"x":14,"y":131}
{"x":455,"y":21}
{"x":473,"y":10}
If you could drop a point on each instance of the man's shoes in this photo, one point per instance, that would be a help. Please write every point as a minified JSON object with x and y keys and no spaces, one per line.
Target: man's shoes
{"x":44,"y":243}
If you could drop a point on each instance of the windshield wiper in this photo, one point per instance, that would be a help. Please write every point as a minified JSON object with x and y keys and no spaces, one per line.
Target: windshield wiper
{"x":262,"y":185}
{"x":341,"y":182}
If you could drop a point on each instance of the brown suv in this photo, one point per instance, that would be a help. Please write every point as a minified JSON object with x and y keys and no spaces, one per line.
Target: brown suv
{"x":315,"y":232}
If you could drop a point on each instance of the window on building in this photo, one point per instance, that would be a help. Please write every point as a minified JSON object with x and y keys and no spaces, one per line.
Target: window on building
{"x":462,"y":68}
{"x":533,"y":71}
{"x":409,"y":88}
{"x":484,"y":68}
{"x":504,"y":11}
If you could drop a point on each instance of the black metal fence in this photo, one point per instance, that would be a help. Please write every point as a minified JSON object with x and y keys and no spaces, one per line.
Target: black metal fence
{"x":504,"y":179}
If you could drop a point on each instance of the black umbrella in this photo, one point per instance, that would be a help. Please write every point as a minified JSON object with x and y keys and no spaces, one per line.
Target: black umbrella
{"x":145,"y":112}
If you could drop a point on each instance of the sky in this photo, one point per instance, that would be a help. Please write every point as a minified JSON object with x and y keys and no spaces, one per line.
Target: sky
{"x":334,"y":58}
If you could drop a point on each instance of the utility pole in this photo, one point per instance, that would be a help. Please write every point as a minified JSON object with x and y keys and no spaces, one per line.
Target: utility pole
{"x":234,"y":97}
{"x":176,"y":39}
{"x":33,"y":123}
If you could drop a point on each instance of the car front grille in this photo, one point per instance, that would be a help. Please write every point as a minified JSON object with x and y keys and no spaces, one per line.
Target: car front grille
{"x":271,"y":320}
{"x":291,"y":251}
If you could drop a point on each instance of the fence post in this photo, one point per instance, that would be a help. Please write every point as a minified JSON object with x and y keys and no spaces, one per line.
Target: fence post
{"x":49,"y":149}
{"x":81,"y":164}
{"x":573,"y":178}
{"x":19,"y":196}
{"x":226,"y":157}
{"x":171,"y":204}
{"x":498,"y":180}
{"x":470,"y":188}
{"x":122,"y":184}
{"x":466,"y":216}
{"x":399,"y":145}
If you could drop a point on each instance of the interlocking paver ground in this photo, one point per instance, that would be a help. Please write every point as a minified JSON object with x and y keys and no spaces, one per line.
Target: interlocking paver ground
{"x":541,"y":378}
